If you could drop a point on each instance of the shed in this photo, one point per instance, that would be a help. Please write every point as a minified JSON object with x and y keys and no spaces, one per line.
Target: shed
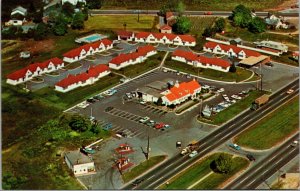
{"x":79,"y":163}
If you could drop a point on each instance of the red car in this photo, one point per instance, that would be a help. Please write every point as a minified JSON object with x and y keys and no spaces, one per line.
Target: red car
{"x":208,"y":13}
{"x":159,"y":125}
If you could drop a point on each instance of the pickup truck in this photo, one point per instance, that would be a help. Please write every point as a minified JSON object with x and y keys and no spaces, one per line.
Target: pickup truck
{"x":144,"y":119}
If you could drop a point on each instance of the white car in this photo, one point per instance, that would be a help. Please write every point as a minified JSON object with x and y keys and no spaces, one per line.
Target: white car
{"x":232,"y":101}
{"x":220,"y":90}
{"x":83,"y":105}
{"x":295,"y":143}
{"x":129,"y":95}
{"x":290,"y":91}
{"x":165,"y":70}
{"x":142,"y":102}
{"x":144,"y":119}
{"x":193,"y":153}
{"x":206,"y":87}
{"x":236,"y":97}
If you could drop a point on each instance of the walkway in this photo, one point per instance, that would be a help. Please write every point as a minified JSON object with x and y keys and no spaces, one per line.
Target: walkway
{"x":163,"y":61}
{"x":191,"y":186}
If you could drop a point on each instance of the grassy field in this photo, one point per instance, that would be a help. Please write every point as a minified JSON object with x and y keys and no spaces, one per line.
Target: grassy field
{"x":200,"y":23}
{"x":234,"y":109}
{"x":142,"y":167}
{"x":240,"y":74}
{"x":244,"y":34}
{"x":73,"y":65}
{"x":135,"y":70}
{"x":117,"y":21}
{"x":202,"y":168}
{"x":273,"y":128}
{"x":225,"y":5}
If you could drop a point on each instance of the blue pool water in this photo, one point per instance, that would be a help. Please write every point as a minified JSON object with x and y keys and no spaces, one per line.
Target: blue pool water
{"x":93,"y":38}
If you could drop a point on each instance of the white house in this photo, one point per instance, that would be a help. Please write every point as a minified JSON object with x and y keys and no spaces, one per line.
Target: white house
{"x":201,"y":61}
{"x":73,"y":2}
{"x":86,"y":50}
{"x":79,"y":163}
{"x":229,"y":50}
{"x":32,"y":70}
{"x":17,"y":15}
{"x":163,"y":38}
{"x":89,"y":77}
{"x":276,"y":22}
{"x":124,"y":60}
{"x":181,"y":92}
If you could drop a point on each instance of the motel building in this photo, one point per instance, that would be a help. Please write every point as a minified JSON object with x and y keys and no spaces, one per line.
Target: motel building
{"x":79,"y":163}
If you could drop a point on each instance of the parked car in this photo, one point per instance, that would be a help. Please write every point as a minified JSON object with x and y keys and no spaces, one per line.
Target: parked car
{"x":188,"y":76}
{"x":90,"y":100}
{"x":193,"y":153}
{"x":167,"y":126}
{"x":142,"y":102}
{"x":235,"y":146}
{"x":109,"y":109}
{"x":150,"y":123}
{"x":295,"y":143}
{"x":83,"y":105}
{"x":98,"y":97}
{"x":144,"y":119}
{"x":159,"y":125}
{"x":250,"y":157}
{"x":236,"y":97}
{"x":269,"y":64}
{"x":121,"y":134}
{"x":128,"y":95}
{"x":107,"y":127}
{"x":208,"y":13}
{"x":205,"y":87}
{"x":290,"y":91}
{"x":137,"y":181}
{"x":165,"y":70}
{"x":220,"y":90}
{"x":89,"y":150}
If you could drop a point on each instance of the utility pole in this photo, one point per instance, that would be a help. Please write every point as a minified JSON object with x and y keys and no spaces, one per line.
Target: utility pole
{"x":148,"y":149}
{"x":200,"y":108}
{"x":261,"y":76}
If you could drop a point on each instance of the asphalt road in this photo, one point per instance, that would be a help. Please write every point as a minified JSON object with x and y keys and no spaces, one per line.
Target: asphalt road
{"x":215,"y":139}
{"x":263,"y":170}
{"x":194,"y":13}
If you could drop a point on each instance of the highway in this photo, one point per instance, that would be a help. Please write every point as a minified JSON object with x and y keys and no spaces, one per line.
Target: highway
{"x":215,"y":139}
{"x":192,"y":13}
{"x":257,"y":174}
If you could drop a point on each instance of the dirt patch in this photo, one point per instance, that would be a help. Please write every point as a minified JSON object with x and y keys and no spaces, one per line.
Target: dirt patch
{"x":292,"y":181}
{"x":285,"y":5}
{"x":36,"y":47}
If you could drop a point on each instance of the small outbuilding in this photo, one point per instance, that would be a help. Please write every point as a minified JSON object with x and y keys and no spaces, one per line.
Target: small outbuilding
{"x":79,"y":163}
{"x":25,"y":54}
{"x":166,"y":29}
{"x":252,"y":61}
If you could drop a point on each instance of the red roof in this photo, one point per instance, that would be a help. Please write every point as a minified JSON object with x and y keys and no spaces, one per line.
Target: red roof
{"x":17,"y":74}
{"x":76,"y":52}
{"x":202,"y":59}
{"x":141,"y":51}
{"x":185,"y":38}
{"x":94,"y":71}
{"x":184,"y":88}
{"x":124,"y":33}
{"x":165,"y":27}
{"x":270,"y":49}
{"x":169,"y":14}
{"x":235,"y":49}
{"x":56,"y":61}
{"x":296,"y":53}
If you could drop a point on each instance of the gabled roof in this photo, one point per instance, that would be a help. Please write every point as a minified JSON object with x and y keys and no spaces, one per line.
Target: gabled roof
{"x":202,"y":59}
{"x":183,"y":89}
{"x":56,"y":61}
{"x":20,"y":9}
{"x":141,"y":51}
{"x":93,"y":71}
{"x":17,"y":74}
{"x":185,"y":38}
{"x":234,"y":48}
{"x":165,"y":27}
{"x":124,"y":33}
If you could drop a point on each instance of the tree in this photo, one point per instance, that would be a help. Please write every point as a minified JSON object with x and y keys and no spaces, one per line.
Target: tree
{"x":182,"y":25}
{"x":40,"y":32}
{"x":79,"y":123}
{"x":241,"y":16}
{"x":38,"y":16}
{"x":220,"y":24}
{"x":68,"y":9}
{"x":232,"y":68}
{"x":162,"y":11}
{"x":95,"y":128}
{"x":208,"y":32}
{"x":257,"y":25}
{"x":180,"y":8}
{"x":60,"y":27}
{"x":223,"y":163}
{"x":159,"y":101}
{"x":78,"y":21}
{"x":94,"y":4}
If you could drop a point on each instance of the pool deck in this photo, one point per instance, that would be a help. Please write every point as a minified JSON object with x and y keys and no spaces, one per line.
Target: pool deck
{"x":90,"y":38}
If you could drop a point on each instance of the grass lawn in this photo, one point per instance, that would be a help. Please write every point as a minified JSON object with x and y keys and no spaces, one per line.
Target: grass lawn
{"x":142,"y":167}
{"x":73,"y":65}
{"x":137,"y":69}
{"x":65,"y":100}
{"x":200,"y":23}
{"x":234,"y":109}
{"x":273,"y":128}
{"x":285,"y":58}
{"x":244,"y":34}
{"x":117,"y":21}
{"x":240,"y":74}
{"x":199,"y":5}
{"x":202,"y":168}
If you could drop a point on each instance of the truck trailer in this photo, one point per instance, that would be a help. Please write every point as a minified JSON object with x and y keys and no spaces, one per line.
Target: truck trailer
{"x":260,"y":101}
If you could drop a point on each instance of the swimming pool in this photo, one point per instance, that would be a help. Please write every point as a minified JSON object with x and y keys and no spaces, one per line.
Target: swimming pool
{"x":90,"y":38}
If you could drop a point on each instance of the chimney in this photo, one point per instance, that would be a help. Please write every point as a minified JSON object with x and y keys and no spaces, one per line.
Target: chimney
{"x":176,"y":84}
